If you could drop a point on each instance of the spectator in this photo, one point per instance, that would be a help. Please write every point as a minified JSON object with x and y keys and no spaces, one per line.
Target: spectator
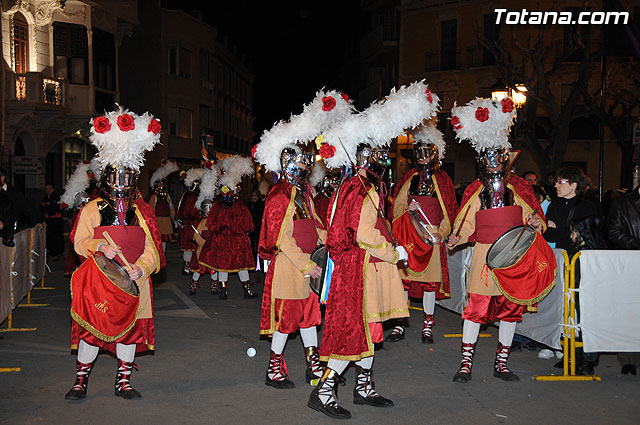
{"x":623,"y":232}
{"x":531,"y":177}
{"x":571,"y":225}
{"x":7,"y":220}
{"x":256,"y":208}
{"x":16,"y":211}
{"x":53,"y":216}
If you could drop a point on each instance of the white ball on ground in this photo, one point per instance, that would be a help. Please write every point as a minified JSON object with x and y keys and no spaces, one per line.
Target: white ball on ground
{"x":251,"y":352}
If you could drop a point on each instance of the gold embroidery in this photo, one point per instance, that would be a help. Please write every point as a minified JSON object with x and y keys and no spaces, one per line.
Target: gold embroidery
{"x":542,"y":265}
{"x":102,"y":306}
{"x":409,"y":247}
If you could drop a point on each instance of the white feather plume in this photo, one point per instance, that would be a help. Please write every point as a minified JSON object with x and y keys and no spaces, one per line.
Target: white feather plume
{"x":429,"y":133}
{"x":489,"y":134}
{"x":124,"y":149}
{"x":381,"y":122}
{"x":167,"y":167}
{"x":193,"y":174}
{"x":208,"y":185}
{"x":78,"y":182}
{"x":96,"y":168}
{"x":317,"y":174}
{"x":233,"y":169}
{"x":302,"y":128}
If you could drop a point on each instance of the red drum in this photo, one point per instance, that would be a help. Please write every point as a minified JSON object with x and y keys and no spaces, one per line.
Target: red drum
{"x":104,"y":301}
{"x":522,"y":265}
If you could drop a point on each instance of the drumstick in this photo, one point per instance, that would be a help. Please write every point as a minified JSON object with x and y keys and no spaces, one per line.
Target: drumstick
{"x":113,"y":244}
{"x":464,"y":217}
{"x":522,"y":231}
{"x":196,"y":230}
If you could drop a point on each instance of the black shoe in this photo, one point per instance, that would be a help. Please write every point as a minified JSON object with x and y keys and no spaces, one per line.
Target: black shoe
{"x":192,"y":288}
{"x":530,"y":346}
{"x":284,"y":384}
{"x":75,"y":394}
{"x":9,"y":243}
{"x":585,"y":369}
{"x":507,"y":375}
{"x":375,"y":400}
{"x":628,"y":369}
{"x":331,"y":409}
{"x":129,"y":394}
{"x":248,"y":292}
{"x":224,"y":293}
{"x":427,"y":339}
{"x":396,"y":334}
{"x":462,"y":377}
{"x":215,"y":289}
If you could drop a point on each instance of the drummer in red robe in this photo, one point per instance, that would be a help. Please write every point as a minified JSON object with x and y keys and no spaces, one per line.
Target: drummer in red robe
{"x":327,"y":181}
{"x":428,"y":188}
{"x":365,"y":287}
{"x":494,"y":203}
{"x":160,"y":201}
{"x":188,"y":216}
{"x":121,"y":137}
{"x":228,"y":248}
{"x":291,"y":230}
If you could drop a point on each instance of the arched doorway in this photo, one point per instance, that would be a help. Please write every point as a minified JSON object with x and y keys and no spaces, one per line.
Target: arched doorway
{"x":21,"y":43}
{"x":62,"y":158}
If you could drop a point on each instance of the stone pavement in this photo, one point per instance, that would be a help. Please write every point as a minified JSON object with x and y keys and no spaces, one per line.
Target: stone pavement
{"x":201,"y":374}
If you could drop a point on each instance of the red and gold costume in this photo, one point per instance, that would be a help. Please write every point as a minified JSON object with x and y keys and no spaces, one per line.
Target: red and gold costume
{"x":365,"y":286}
{"x":199,"y":242}
{"x":190,"y":216}
{"x":229,"y":248}
{"x":165,"y":215}
{"x":427,"y":272}
{"x":141,"y":245}
{"x":287,"y":240}
{"x":321,"y":201}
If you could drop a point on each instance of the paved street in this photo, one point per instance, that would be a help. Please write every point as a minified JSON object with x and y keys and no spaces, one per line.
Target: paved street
{"x":201,"y":374}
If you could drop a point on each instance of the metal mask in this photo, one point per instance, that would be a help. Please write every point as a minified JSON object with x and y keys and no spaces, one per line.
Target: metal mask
{"x":194,"y":186}
{"x":494,"y":163}
{"x":158,"y":187}
{"x":427,"y":157}
{"x":296,"y":167}
{"x":375,"y":160}
{"x":329,"y":183}
{"x":205,"y":207}
{"x":80,"y":199}
{"x":119,"y":183}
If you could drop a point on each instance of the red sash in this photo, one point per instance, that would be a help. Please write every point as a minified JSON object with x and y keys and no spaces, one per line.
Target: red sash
{"x":419,"y":252}
{"x":494,"y":222}
{"x":99,"y":305}
{"x":431,"y":207}
{"x":305,"y":234}
{"x":130,"y":239}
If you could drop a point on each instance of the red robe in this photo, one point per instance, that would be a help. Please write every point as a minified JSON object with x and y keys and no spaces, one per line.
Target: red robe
{"x":447,"y":196}
{"x":190,"y":216}
{"x":321,"y":201}
{"x":229,"y":248}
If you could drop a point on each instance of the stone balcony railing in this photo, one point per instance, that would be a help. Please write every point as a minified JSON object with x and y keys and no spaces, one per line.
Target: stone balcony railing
{"x":36,"y":89}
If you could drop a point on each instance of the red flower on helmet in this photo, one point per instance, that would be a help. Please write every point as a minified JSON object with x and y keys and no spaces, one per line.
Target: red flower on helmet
{"x":101,"y":125}
{"x":507,"y":105}
{"x":253,"y":151}
{"x":328,"y":103}
{"x":63,"y":205}
{"x":209,"y":164}
{"x":91,"y":175}
{"x":455,"y":122}
{"x":327,"y":151}
{"x":85,"y":161}
{"x":345,"y":97}
{"x":154,"y":126}
{"x":126,"y":122}
{"x":482,"y":114}
{"x":428,"y":92}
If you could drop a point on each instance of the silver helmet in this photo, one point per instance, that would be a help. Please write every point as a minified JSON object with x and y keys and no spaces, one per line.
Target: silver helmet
{"x":119,"y":183}
{"x":329,"y":183}
{"x":427,"y":157}
{"x":375,"y":160}
{"x":296,"y":166}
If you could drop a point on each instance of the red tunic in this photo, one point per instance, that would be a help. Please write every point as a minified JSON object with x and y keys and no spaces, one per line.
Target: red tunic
{"x":321,"y":201}
{"x":190,"y":216}
{"x":229,"y":248}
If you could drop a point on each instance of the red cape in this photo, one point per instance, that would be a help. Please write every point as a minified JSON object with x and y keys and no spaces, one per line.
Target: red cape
{"x":346,"y":334}
{"x":190,"y":216}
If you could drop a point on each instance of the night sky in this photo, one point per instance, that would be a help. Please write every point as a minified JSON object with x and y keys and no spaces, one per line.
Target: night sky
{"x":296,"y":47}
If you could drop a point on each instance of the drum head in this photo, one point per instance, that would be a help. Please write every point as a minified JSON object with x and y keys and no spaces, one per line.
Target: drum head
{"x":319,"y":256}
{"x":503,"y":253}
{"x":117,"y":274}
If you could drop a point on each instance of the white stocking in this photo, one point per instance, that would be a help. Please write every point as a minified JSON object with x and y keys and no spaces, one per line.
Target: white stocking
{"x":186,"y":255}
{"x":365,"y":363}
{"x":429,"y":302}
{"x":470,"y":332}
{"x":506,"y":332}
{"x":338,"y":365}
{"x":278,"y":341}
{"x":164,"y":246}
{"x":243,"y":275}
{"x":309,"y":337}
{"x":196,"y":276}
{"x":406,"y":296}
{"x":87,"y":353}
{"x":223,"y":276}
{"x":126,"y":352}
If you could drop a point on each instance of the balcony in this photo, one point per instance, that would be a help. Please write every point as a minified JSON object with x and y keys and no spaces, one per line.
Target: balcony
{"x":381,"y":39}
{"x":442,"y":61}
{"x":479,"y":56}
{"x":34,"y":89}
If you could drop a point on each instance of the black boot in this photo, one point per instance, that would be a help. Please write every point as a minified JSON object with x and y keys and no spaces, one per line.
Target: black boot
{"x":79,"y":389}
{"x":192,"y":289}
{"x":427,"y":329}
{"x":122,"y":386}
{"x":186,"y":270}
{"x":215,"y":287}
{"x":248,"y":290}
{"x":397,"y":333}
{"x":464,"y":373}
{"x":500,"y":369}
{"x":313,"y":374}
{"x":277,"y":375}
{"x":323,"y":397}
{"x":364,"y":392}
{"x":224,"y":291}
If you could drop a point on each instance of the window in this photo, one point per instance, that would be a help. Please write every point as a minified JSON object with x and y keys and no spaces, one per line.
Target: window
{"x":70,"y":48}
{"x":21,"y":43}
{"x":180,"y":123}
{"x":491,"y":32}
{"x":104,"y":59}
{"x":207,"y":70}
{"x":448,"y":44}
{"x":206,"y":118}
{"x":179,"y":61}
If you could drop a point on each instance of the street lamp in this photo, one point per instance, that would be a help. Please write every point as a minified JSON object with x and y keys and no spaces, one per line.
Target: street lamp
{"x":500,"y":91}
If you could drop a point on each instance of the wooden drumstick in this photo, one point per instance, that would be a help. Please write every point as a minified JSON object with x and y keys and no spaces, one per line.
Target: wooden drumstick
{"x":113,"y":244}
{"x":464,"y":217}
{"x":522,"y":231}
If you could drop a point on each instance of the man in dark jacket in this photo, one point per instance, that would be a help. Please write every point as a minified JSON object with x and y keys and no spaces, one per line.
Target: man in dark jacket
{"x":623,"y":231}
